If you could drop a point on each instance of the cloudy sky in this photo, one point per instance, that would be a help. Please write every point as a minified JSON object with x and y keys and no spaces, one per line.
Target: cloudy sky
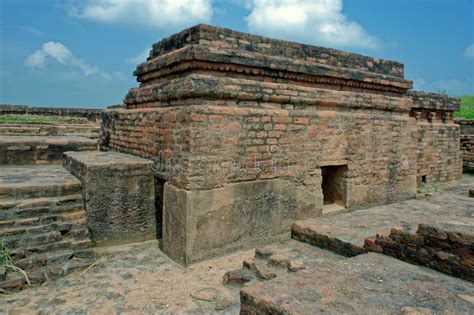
{"x":82,"y":52}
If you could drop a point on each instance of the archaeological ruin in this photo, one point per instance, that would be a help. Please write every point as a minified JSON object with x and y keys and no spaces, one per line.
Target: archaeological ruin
{"x":233,"y":141}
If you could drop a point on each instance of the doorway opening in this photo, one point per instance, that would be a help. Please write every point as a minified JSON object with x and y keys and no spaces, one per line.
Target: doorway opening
{"x":334,"y":188}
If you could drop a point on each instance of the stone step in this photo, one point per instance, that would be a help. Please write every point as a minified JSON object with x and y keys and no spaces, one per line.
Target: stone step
{"x":34,"y":150}
{"x":20,"y":204}
{"x":367,"y":284}
{"x":63,"y":224}
{"x":27,"y":181}
{"x":40,"y":213}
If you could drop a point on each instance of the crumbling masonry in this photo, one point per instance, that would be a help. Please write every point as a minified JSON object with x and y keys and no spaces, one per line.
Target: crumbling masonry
{"x":249,"y":134}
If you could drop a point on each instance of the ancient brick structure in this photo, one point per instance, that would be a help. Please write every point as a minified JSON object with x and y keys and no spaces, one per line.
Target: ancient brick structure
{"x":467,"y":143}
{"x":439,"y":155}
{"x":252,"y":133}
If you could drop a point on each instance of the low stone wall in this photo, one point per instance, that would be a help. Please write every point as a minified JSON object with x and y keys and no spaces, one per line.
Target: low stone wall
{"x":89,"y":113}
{"x":467,"y":143}
{"x":443,"y":248}
{"x":438,"y":151}
{"x":31,"y":150}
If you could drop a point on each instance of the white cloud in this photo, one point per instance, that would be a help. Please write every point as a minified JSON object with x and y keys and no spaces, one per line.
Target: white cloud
{"x":59,"y":53}
{"x":313,"y":21}
{"x":149,"y":13}
{"x":140,"y":58}
{"x":469,"y":52}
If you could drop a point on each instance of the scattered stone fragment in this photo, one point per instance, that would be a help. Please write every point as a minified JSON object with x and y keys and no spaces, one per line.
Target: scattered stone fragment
{"x":205,"y":294}
{"x":260,"y":269}
{"x":279,"y":260}
{"x":238,"y":277}
{"x":3,"y":273}
{"x":264,"y":252}
{"x":222,"y":304}
{"x":467,"y":298}
{"x":408,"y":310}
{"x":294,"y":265}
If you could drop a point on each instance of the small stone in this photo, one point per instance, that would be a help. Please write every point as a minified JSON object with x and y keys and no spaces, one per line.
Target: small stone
{"x":261,"y":270}
{"x":263,"y":252}
{"x":467,"y":298}
{"x":238,"y":277}
{"x":280,"y":260}
{"x":205,"y":294}
{"x":294,"y":265}
{"x":471,"y":193}
{"x":409,"y":310}
{"x":3,"y":273}
{"x":222,"y":304}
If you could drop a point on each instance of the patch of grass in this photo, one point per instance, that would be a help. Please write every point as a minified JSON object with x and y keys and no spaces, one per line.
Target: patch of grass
{"x":31,"y":119}
{"x":5,"y":259}
{"x":467,"y":107}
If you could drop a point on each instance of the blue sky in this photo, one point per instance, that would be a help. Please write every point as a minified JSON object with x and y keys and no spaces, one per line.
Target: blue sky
{"x":82,"y":53}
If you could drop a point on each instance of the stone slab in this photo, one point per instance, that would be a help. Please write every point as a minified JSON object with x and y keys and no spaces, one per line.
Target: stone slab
{"x":119,"y":195}
{"x":366,"y":284}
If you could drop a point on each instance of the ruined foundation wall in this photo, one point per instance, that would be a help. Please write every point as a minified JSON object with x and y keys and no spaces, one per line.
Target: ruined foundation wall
{"x":438,"y":155}
{"x":467,"y":143}
{"x":90,"y":114}
{"x":240,"y":126}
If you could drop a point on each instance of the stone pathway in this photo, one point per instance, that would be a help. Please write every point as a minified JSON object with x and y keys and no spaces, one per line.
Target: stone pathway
{"x":135,"y":279}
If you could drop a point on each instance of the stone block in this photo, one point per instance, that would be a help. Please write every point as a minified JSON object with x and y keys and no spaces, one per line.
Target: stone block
{"x":119,"y":196}
{"x":205,"y":223}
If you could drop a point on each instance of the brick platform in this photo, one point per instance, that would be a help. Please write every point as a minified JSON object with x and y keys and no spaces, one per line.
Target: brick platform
{"x":119,"y":195}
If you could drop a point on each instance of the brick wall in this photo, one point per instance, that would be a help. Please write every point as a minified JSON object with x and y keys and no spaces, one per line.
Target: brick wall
{"x":438,"y":154}
{"x":467,"y":143}
{"x":207,"y":144}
